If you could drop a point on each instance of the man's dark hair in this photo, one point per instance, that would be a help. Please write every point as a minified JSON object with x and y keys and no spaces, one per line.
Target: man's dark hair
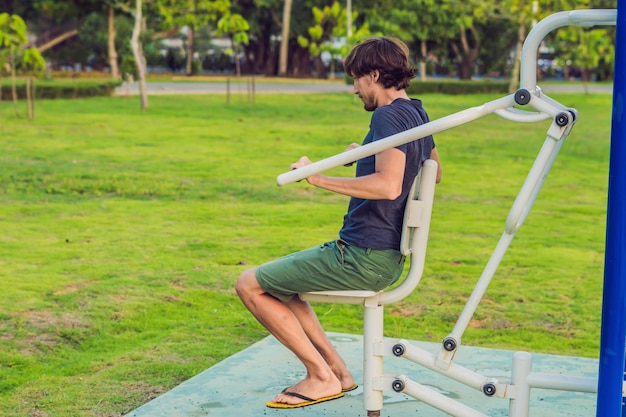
{"x":388,"y":55}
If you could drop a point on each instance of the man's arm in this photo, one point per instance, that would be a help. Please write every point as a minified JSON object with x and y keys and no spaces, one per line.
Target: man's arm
{"x":435,"y":157}
{"x":384,"y":184}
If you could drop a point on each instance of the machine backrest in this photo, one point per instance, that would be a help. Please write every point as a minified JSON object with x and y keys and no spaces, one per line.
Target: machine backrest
{"x":415,"y":230}
{"x":415,"y":206}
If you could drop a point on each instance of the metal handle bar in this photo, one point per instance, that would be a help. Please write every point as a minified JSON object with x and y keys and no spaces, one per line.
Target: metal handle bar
{"x":398,"y":139}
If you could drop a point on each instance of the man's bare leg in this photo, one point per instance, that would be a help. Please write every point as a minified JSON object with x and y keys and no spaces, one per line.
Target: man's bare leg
{"x":283,"y":324}
{"x":316,"y":334}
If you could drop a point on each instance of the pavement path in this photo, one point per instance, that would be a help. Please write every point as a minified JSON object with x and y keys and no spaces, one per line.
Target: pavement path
{"x":246,"y":87}
{"x":243,"y":87}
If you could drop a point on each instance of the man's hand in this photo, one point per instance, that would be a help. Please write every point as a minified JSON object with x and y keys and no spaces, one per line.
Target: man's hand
{"x":353,"y":145}
{"x":302,"y":162}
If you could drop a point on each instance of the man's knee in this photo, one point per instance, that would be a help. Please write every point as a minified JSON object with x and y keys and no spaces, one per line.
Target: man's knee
{"x":246,"y":282}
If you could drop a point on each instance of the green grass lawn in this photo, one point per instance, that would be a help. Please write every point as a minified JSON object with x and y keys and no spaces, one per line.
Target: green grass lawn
{"x":122,"y":233}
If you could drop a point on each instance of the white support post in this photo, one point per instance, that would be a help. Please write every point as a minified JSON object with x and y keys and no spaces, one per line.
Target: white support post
{"x":522,"y":367}
{"x":372,"y":358}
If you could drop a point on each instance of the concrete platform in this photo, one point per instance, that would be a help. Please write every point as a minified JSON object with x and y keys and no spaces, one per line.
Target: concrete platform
{"x":240,"y":385}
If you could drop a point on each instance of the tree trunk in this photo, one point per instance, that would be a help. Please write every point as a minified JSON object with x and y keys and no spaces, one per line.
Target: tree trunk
{"x":57,"y":40}
{"x":284,"y":42}
{"x":138,"y":55}
{"x":13,"y":87}
{"x":115,"y":72}
{"x":465,"y":69}
{"x":256,"y":56}
{"x":301,"y":63}
{"x":422,"y":65}
{"x":466,"y":56}
{"x":320,"y":68}
{"x":236,"y":53}
{"x":190,"y":49}
{"x":515,"y":71}
{"x":28,"y":99}
{"x":33,"y":97}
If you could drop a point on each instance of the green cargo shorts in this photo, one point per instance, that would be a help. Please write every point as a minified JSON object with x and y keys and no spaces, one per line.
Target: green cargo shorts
{"x":333,"y":266}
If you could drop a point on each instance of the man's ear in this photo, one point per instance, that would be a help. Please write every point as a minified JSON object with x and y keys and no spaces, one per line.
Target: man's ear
{"x":375,"y":75}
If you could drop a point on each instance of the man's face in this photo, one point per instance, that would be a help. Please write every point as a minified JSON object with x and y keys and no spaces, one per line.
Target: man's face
{"x":364,"y":88}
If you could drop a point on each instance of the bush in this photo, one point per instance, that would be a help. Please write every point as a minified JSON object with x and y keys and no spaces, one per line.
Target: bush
{"x":453,"y":87}
{"x":48,"y":89}
{"x":458,"y":87}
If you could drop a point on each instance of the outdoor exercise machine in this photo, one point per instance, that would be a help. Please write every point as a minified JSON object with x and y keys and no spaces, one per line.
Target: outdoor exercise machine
{"x":609,"y":386}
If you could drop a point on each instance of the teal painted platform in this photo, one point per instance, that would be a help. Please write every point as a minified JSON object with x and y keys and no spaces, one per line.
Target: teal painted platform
{"x":240,"y":385}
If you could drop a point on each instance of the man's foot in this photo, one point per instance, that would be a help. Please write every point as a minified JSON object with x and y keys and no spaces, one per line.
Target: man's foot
{"x":306,"y":401}
{"x":347,"y":381}
{"x":350,"y":388}
{"x":307,"y":392}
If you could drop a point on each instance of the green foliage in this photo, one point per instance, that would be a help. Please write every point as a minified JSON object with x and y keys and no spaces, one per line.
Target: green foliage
{"x":425,"y":20}
{"x":329,"y":23}
{"x":128,"y":66}
{"x":585,"y":48}
{"x":454,"y":37}
{"x":12,"y":31}
{"x":94,"y":38}
{"x":328,"y":32}
{"x":57,"y":89}
{"x":12,"y":38}
{"x":235,"y":27}
{"x":452,"y":87}
{"x":124,"y":231}
{"x":32,"y":62}
{"x":178,"y":13}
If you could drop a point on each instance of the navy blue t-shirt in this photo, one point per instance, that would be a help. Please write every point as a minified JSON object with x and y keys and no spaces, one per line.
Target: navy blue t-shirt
{"x":377,"y":224}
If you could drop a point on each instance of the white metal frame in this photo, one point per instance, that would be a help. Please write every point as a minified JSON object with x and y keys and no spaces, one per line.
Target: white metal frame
{"x":517,"y":390}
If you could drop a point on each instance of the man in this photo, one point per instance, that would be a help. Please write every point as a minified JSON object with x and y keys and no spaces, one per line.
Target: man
{"x":367,"y":256}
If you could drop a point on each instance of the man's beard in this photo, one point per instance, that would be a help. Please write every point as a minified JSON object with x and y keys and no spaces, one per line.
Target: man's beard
{"x":369,"y":102}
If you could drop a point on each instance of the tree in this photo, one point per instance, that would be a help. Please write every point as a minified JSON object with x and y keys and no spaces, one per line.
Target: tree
{"x":4,"y":67}
{"x":269,"y":34}
{"x":32,"y":64}
{"x":522,"y":13}
{"x":499,"y":37}
{"x":236,"y":28}
{"x":585,"y":48}
{"x":112,"y":50}
{"x":467,"y":45}
{"x":262,"y":51}
{"x":103,"y":46}
{"x":137,"y":47}
{"x":12,"y":37}
{"x":192,"y":15}
{"x":136,"y":10}
{"x":60,"y":21}
{"x":418,"y":22}
{"x":284,"y":39}
{"x":330,"y":26}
